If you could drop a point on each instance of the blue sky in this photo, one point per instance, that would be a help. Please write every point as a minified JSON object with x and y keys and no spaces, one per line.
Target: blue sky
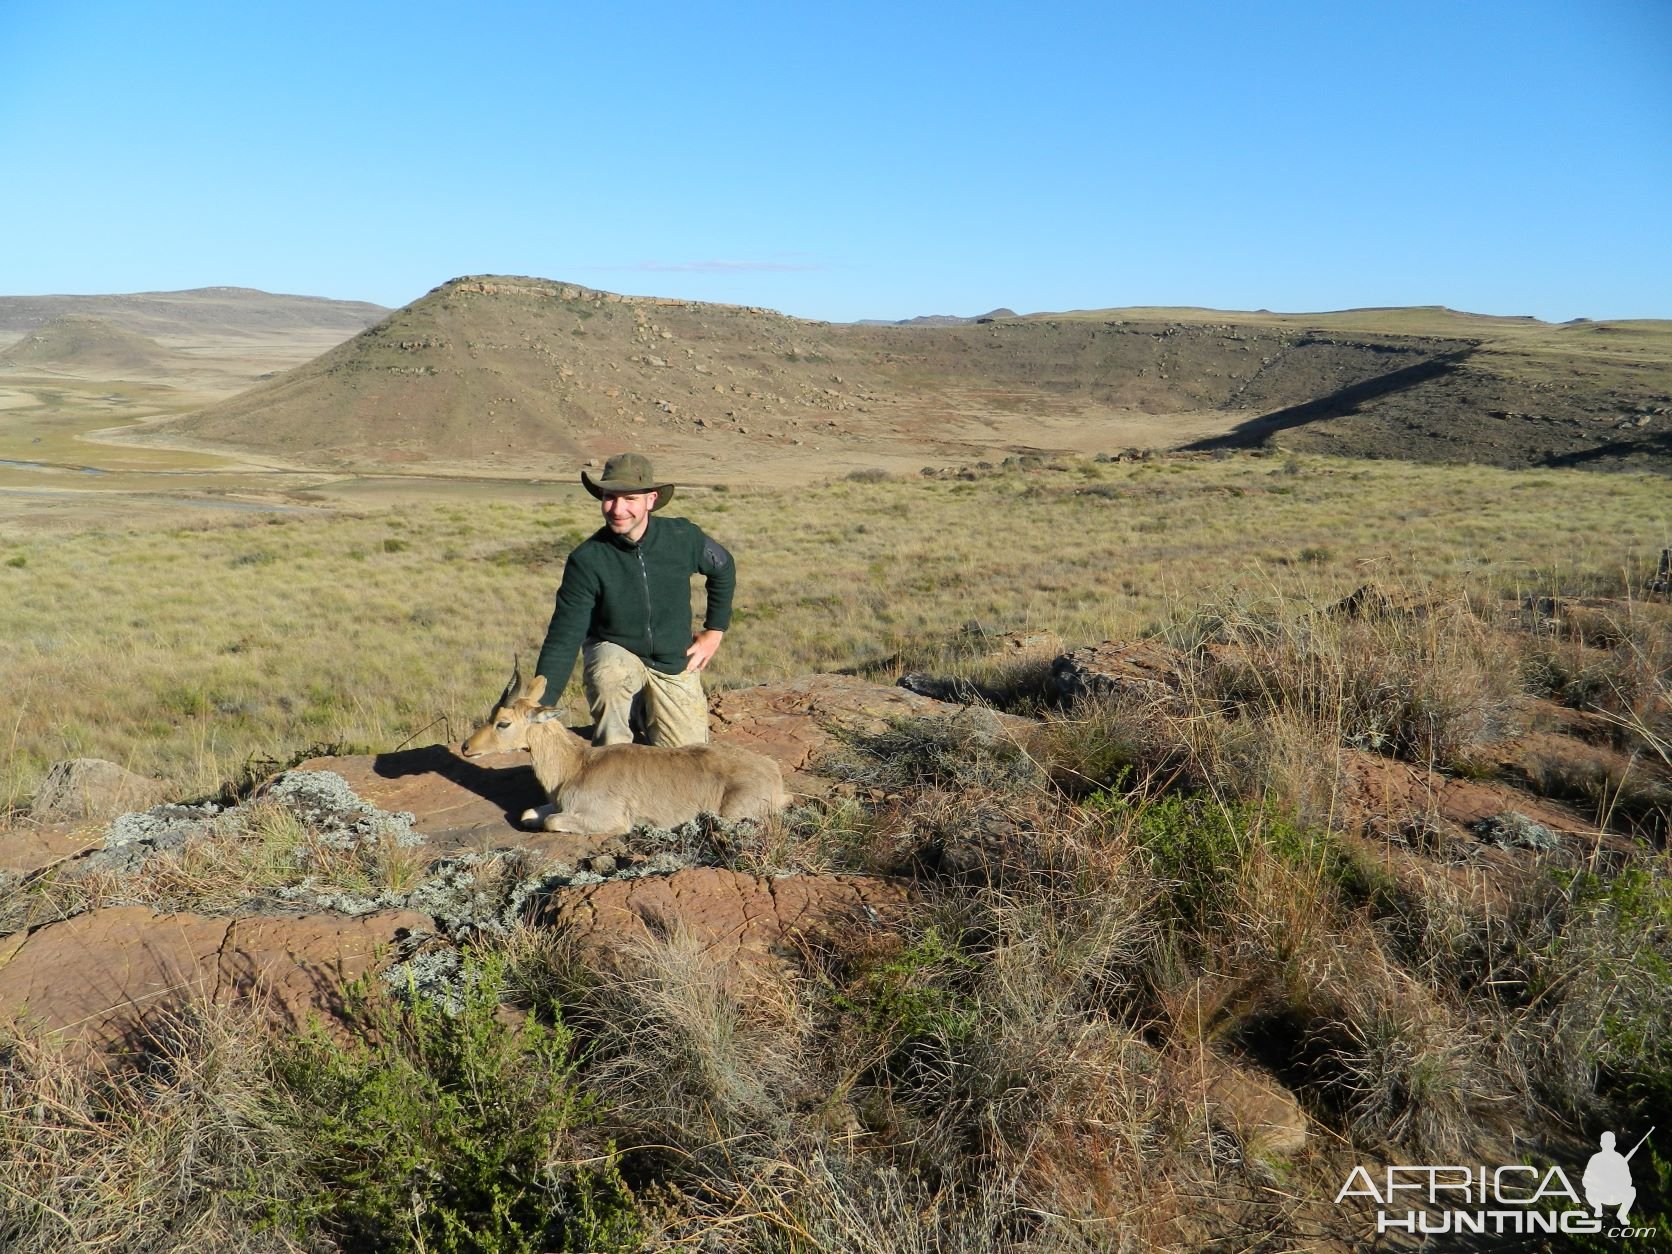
{"x":851,"y":160}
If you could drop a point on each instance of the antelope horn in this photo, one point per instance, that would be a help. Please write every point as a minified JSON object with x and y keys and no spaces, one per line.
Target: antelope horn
{"x":515,"y":686}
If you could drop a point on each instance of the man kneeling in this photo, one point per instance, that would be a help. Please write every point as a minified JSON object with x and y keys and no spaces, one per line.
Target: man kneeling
{"x":625,"y":606}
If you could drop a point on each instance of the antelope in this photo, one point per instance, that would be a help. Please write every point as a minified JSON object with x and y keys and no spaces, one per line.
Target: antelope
{"x":608,"y":790}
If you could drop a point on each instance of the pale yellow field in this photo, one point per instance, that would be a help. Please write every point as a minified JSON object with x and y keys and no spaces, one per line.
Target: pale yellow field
{"x":181,"y":650}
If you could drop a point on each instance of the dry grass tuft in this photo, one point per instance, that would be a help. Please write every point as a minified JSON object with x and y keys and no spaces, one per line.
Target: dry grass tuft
{"x":693,"y":1053}
{"x":177,"y":1155}
{"x":1428,"y":683}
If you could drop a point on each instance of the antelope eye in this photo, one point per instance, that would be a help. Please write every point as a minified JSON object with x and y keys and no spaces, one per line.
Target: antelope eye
{"x":502,"y":726}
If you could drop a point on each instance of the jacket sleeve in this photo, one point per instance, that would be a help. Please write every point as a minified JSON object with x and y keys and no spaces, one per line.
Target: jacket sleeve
{"x":720,"y":572}
{"x":571,"y":617}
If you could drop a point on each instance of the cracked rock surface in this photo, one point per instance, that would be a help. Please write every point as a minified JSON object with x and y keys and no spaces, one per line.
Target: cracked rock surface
{"x":104,"y":979}
{"x":740,"y":919}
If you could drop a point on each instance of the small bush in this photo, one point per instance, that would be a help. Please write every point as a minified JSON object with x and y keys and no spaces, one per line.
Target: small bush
{"x":912,"y":996}
{"x":452,"y":1132}
{"x":1196,"y":844}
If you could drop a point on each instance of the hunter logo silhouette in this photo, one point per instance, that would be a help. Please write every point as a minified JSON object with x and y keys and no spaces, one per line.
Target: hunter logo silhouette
{"x":1607,"y":1177}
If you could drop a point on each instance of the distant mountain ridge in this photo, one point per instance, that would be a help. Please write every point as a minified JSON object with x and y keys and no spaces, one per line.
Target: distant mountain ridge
{"x":938,"y":320}
{"x":226,"y":312}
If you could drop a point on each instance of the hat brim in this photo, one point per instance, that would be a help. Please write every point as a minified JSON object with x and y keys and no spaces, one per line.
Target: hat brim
{"x":663,"y":491}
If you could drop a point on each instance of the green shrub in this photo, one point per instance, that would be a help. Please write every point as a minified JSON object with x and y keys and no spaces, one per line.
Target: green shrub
{"x":913,"y":997}
{"x":1195,"y":843}
{"x":444,"y":1131}
{"x":1625,"y":925}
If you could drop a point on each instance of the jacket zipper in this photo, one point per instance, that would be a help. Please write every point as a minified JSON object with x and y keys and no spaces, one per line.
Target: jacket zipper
{"x":649,"y":629}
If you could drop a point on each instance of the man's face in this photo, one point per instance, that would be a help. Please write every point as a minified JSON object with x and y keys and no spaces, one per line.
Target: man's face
{"x":628,"y":513}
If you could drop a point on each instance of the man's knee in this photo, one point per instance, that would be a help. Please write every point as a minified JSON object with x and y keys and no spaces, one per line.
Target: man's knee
{"x":612,"y":688}
{"x":611,"y":672}
{"x":676,"y":710}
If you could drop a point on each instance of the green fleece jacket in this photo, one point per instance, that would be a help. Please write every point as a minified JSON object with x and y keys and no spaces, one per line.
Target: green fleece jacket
{"x":637,"y":596}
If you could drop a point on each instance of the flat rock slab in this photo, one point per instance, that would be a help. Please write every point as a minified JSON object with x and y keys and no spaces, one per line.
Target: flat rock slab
{"x":740,"y":920}
{"x":27,"y":846}
{"x":456,"y":802}
{"x":101,"y":979}
{"x":1383,"y":792}
{"x":794,"y":722}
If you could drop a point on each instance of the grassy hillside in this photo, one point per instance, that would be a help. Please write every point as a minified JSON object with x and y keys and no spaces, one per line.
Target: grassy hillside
{"x":1517,"y":391}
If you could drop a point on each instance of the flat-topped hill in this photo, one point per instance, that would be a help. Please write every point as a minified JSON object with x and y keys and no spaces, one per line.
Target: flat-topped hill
{"x":523,"y":374}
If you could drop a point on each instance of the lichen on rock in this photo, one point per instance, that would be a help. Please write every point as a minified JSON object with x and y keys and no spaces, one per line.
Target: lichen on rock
{"x":133,"y":837}
{"x":331,"y":809}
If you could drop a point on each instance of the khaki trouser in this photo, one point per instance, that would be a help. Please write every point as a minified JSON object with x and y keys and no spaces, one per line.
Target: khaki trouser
{"x":622,"y":690}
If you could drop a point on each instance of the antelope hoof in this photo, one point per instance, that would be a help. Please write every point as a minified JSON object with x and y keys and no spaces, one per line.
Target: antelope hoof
{"x":537,"y":816}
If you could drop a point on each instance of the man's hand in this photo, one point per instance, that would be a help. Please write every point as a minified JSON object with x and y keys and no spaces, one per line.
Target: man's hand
{"x":703,"y":648}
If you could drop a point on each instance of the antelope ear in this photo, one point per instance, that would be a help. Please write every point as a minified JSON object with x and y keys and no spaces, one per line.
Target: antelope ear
{"x":536,"y":688}
{"x":544,"y":715}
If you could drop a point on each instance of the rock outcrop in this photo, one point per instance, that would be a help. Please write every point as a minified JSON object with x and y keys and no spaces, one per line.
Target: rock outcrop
{"x":797,"y":721}
{"x":108,"y":980}
{"x":741,"y":920}
{"x":91,"y":788}
{"x":1141,"y":670}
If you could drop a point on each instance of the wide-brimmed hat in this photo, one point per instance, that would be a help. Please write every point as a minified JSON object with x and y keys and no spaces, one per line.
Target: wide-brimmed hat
{"x":626,"y":473}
